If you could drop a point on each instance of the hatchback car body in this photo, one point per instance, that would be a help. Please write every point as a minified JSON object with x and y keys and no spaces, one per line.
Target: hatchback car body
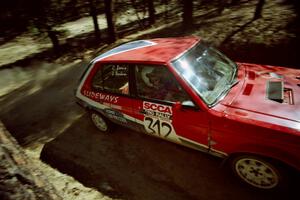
{"x":181,"y":90}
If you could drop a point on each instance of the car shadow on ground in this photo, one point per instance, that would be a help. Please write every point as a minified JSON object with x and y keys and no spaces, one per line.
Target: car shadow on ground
{"x":130,"y":165}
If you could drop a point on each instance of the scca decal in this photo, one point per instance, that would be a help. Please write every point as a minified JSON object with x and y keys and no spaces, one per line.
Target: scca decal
{"x":157,"y":107}
{"x":157,"y":110}
{"x":100,"y":96}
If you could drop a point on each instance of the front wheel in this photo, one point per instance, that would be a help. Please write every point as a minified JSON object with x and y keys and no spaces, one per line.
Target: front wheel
{"x":259,"y":172}
{"x":100,"y":122}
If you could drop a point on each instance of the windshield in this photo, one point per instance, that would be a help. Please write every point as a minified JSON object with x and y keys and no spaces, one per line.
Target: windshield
{"x":208,"y":71}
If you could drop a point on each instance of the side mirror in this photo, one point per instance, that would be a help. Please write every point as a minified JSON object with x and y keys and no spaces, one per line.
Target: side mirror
{"x":177,"y":105}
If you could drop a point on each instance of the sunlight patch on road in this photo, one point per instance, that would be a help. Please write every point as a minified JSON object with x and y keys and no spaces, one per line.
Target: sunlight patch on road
{"x":21,"y":47}
{"x":70,"y":121}
{"x":12,"y":79}
{"x":34,"y":77}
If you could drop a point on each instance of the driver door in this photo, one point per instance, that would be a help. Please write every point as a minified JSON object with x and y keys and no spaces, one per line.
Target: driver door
{"x":156,"y":108}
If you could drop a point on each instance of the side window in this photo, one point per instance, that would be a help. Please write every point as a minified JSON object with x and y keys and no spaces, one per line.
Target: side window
{"x":112,"y":78}
{"x":157,"y":82}
{"x":97,"y":82}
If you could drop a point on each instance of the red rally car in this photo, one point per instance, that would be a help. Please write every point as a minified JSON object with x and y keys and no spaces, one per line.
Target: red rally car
{"x":184,"y":91}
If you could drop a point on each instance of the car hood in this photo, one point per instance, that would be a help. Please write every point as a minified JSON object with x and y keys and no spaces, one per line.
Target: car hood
{"x":255,"y":92}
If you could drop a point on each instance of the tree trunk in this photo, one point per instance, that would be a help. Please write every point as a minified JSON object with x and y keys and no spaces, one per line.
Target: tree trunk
{"x":165,"y":3}
{"x":221,"y":6}
{"x":140,"y":21}
{"x":52,"y":34}
{"x":109,"y":5}
{"x":187,"y":15}
{"x":93,"y":13}
{"x":44,"y":19}
{"x":151,"y":11}
{"x":258,"y":9}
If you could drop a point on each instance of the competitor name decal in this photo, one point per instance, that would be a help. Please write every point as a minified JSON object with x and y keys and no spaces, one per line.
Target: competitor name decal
{"x":100,"y":96}
{"x":157,"y":110}
{"x":115,"y":115}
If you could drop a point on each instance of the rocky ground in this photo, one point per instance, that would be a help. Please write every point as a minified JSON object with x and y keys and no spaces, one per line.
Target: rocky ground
{"x":24,"y":176}
{"x":19,"y":178}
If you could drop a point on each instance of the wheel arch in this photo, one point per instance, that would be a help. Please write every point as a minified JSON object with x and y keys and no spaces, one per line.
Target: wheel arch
{"x":269,"y":153}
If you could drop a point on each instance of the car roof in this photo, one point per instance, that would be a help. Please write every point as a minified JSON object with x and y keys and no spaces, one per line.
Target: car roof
{"x":153,"y":50}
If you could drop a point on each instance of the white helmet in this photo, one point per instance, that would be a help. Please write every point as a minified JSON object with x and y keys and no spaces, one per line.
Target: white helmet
{"x":146,"y":70}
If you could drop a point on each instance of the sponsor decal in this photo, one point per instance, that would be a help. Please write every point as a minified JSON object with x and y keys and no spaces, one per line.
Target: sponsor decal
{"x":158,"y":119}
{"x":160,"y":111}
{"x":98,"y":96}
{"x":115,"y":115}
{"x":119,"y":70}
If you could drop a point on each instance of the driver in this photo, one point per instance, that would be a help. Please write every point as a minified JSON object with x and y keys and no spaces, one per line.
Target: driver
{"x":161,"y":83}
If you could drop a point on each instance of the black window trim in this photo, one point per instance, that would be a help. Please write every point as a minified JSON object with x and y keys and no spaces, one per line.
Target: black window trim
{"x":100,"y":67}
{"x":132,"y":85}
{"x":170,"y":103}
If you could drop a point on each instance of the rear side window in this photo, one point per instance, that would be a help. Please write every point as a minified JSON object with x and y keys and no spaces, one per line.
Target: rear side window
{"x":112,"y":78}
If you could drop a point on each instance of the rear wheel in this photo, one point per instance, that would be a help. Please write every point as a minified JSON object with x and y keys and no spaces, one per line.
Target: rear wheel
{"x":259,"y":172}
{"x":100,"y":122}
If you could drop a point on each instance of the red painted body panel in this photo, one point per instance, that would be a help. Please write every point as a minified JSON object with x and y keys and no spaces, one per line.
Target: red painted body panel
{"x":164,"y":51}
{"x":244,"y":121}
{"x":256,"y":100}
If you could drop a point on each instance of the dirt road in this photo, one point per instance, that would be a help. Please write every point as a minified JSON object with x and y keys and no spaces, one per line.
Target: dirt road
{"x":130,"y":165}
{"x":43,"y":106}
{"x":125,"y":164}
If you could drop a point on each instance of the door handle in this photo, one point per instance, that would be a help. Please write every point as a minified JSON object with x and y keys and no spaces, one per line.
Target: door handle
{"x":143,"y":111}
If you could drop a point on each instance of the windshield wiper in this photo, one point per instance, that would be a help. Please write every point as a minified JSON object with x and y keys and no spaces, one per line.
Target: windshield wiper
{"x":233,"y":84}
{"x":225,"y":92}
{"x":234,"y":73}
{"x":230,"y":86}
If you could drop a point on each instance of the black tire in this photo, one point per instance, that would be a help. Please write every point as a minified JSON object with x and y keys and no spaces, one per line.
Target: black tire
{"x":100,"y":122}
{"x":259,"y":172}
